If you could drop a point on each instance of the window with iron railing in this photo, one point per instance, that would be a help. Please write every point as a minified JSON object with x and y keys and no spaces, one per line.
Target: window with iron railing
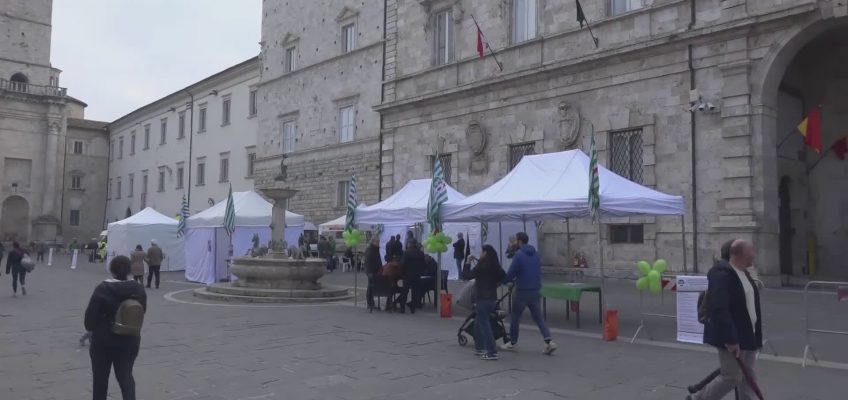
{"x":625,"y":153}
{"x":445,"y":159}
{"x":518,"y":151}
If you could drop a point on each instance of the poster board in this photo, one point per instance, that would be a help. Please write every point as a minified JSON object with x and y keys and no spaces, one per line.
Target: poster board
{"x":689,"y":287}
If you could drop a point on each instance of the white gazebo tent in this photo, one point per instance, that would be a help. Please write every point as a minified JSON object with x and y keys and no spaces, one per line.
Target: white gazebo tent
{"x":338,"y":225}
{"x":556,"y":186}
{"x":140,"y":229}
{"x":208,"y":246}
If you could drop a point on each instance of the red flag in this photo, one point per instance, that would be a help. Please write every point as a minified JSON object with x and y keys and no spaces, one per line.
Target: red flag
{"x":480,"y":49}
{"x":840,"y":148}
{"x":810,"y":128}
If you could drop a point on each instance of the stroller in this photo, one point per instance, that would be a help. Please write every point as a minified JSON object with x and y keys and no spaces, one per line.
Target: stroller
{"x":496,"y":319}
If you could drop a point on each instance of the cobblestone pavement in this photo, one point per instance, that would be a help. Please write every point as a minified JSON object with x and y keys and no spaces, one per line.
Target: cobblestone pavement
{"x":194,"y":350}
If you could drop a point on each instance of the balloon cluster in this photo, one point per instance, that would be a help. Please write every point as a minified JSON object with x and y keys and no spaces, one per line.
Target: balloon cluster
{"x":437,"y":243}
{"x":651,"y":275}
{"x":352,"y":238}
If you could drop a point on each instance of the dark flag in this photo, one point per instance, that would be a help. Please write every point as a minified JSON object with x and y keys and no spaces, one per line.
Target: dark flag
{"x":581,"y":18}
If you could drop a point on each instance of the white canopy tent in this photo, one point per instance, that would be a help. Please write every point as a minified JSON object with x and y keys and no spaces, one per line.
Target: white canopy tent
{"x":140,"y":229}
{"x":338,"y":224}
{"x":556,"y":186}
{"x":209,"y":247}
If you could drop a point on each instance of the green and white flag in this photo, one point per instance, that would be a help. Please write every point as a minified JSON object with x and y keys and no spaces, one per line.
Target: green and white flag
{"x":181,"y":226}
{"x":230,"y":214}
{"x":484,"y":232}
{"x":594,"y":181}
{"x":350,"y":224}
{"x":438,"y":196}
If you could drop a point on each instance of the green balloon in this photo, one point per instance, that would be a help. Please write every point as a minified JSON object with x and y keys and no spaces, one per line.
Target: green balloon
{"x":655,"y":287}
{"x":660,"y":266}
{"x":642,"y":283}
{"x":644,"y":267}
{"x":654,"y":282}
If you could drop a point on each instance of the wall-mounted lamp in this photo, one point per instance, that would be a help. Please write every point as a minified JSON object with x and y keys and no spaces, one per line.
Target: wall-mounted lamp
{"x":214,"y":92}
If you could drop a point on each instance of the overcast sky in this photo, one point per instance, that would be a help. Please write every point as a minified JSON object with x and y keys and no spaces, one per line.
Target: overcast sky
{"x":118,"y":55}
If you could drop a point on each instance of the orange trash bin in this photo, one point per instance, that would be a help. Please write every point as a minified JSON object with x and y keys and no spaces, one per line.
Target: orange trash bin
{"x":445,"y":300}
{"x":611,"y":326}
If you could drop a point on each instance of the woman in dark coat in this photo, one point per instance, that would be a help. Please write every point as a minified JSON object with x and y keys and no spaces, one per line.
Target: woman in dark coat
{"x":13,"y":266}
{"x":487,"y":276}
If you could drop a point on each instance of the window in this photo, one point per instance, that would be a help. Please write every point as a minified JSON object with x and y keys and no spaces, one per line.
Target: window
{"x":251,"y":164}
{"x":289,"y":132}
{"x":181,"y":127}
{"x":144,"y":183}
{"x":446,"y":165}
{"x":180,"y":175}
{"x":118,"y":188}
{"x":120,"y":147}
{"x":146,"y":136}
{"x":627,"y":234}
{"x":251,"y":106}
{"x":76,"y":182}
{"x":131,"y":185}
{"x":626,"y":154}
{"x":348,"y":37}
{"x":132,"y":143}
{"x":523,"y":20}
{"x":163,"y":131}
{"x":77,"y":147}
{"x":109,"y":190}
{"x":341,"y":194}
{"x":518,"y":151}
{"x":201,"y":119}
{"x":201,"y":171}
{"x":161,"y":185}
{"x":224,"y":171}
{"x":75,"y":217}
{"x":225,"y":111}
{"x":622,"y":6}
{"x":112,"y":150}
{"x":443,"y":38}
{"x":347,"y":124}
{"x":291,"y":59}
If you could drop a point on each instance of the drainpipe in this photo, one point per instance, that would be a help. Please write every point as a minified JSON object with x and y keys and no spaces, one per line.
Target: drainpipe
{"x":694,"y":153}
{"x":108,"y":171}
{"x":382,"y":99}
{"x":190,"y":146}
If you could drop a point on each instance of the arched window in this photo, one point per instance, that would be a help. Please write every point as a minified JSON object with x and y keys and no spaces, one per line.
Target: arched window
{"x":18,"y":83}
{"x":20,"y":78}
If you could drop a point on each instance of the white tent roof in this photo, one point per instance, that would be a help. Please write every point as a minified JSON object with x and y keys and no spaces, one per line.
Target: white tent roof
{"x":251,"y":210}
{"x":148,"y":216}
{"x":556,"y":186}
{"x":337,"y":224}
{"x":406,"y":206}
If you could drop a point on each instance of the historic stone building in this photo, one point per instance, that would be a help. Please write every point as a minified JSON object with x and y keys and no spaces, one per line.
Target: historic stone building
{"x":697,"y":98}
{"x":46,"y":147}
{"x":321,"y":69}
{"x":195,"y":142}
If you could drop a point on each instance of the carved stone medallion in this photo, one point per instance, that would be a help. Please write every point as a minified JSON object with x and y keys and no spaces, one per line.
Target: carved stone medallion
{"x":476,"y":138}
{"x":569,"y":124}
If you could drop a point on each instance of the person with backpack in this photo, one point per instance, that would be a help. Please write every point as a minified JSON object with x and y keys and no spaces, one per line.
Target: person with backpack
{"x":114,"y":317}
{"x":14,"y":264}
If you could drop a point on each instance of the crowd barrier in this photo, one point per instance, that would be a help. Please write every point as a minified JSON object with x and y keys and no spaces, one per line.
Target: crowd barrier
{"x":645,"y":314}
{"x":840,"y":287}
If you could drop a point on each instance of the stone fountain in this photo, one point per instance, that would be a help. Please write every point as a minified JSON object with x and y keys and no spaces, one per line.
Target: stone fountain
{"x":275,"y":277}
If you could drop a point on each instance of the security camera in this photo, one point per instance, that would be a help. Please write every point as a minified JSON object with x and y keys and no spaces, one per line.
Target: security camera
{"x":711,"y":106}
{"x":701,"y":106}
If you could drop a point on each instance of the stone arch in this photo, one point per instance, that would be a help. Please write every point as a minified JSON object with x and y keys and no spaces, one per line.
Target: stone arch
{"x":19,"y":78}
{"x":14,"y":219}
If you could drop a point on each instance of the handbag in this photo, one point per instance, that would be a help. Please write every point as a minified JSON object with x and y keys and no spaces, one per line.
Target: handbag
{"x":27,"y":263}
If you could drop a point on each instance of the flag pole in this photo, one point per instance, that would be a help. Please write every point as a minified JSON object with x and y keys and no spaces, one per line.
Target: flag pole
{"x":486,"y":42}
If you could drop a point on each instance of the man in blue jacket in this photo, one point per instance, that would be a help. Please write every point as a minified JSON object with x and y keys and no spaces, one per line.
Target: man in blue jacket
{"x":526,"y":271}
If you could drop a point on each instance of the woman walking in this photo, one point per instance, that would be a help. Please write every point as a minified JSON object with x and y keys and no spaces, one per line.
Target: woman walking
{"x":487,"y":275}
{"x":137,"y":264}
{"x":13,"y":265}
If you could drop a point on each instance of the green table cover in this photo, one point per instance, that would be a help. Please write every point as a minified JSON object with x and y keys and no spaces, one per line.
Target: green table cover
{"x":568,"y":291}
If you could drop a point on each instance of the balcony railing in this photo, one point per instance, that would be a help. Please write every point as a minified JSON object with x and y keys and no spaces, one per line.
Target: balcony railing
{"x":28,"y":88}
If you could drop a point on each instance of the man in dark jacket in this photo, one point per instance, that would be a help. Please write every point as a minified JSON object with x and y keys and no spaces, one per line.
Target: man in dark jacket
{"x":526,"y":271}
{"x":459,"y":253}
{"x":734,"y":324}
{"x":414,"y":264}
{"x":109,"y":349}
{"x":372,"y":266}
{"x":15,"y":267}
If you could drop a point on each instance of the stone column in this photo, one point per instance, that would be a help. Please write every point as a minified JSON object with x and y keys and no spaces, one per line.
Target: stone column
{"x":278,"y":220}
{"x":48,"y":201}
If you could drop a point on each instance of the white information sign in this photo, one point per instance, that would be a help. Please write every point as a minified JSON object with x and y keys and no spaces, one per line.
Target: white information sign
{"x":50,"y":258}
{"x":74,"y":259}
{"x":689,"y":330}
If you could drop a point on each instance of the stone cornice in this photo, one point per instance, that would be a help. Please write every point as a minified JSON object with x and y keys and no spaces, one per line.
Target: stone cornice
{"x":677,"y":37}
{"x":329,"y":147}
{"x":320,"y":63}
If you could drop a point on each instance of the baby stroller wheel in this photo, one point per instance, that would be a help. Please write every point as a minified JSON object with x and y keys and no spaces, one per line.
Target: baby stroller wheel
{"x":462,"y":339}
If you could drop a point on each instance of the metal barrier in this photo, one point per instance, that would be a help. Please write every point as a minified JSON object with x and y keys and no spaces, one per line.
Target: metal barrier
{"x":643,"y":324}
{"x":808,"y":348}
{"x":762,"y":286}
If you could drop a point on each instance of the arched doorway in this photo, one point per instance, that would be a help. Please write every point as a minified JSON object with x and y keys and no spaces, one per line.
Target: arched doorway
{"x":805,"y":72}
{"x":14,"y":219}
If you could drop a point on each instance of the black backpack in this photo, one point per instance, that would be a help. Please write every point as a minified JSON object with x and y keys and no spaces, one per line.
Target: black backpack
{"x":702,"y":308}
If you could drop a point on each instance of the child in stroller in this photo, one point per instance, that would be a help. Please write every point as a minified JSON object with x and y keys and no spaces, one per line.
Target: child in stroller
{"x":496,"y":319}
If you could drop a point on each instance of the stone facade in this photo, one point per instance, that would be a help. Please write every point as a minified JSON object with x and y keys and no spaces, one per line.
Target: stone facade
{"x":35,"y":133}
{"x":84,"y":180}
{"x":169,"y":138}
{"x":651,"y":65}
{"x":319,"y":86}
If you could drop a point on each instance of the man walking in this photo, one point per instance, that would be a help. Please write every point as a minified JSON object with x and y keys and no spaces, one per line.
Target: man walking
{"x":154,"y":262}
{"x":733,"y":323}
{"x":414,"y":265}
{"x":372,"y":267}
{"x":526,"y":271}
{"x":40,"y":248}
{"x":459,"y":254}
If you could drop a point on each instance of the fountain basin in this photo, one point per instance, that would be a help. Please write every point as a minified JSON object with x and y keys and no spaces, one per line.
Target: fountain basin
{"x":277,"y":273}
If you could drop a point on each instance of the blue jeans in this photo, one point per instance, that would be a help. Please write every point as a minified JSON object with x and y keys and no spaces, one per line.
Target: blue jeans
{"x":484,"y":338}
{"x":532,"y":300}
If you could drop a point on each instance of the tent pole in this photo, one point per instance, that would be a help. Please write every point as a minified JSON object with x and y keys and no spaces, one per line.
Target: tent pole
{"x":683,"y":240}
{"x":601,"y":264}
{"x":567,"y":241}
{"x":437,"y":284}
{"x":500,"y":241}
{"x":355,"y":281}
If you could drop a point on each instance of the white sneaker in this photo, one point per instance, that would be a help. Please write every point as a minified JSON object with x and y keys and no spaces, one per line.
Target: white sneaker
{"x":550,"y":348}
{"x":23,"y":290}
{"x":507,"y":346}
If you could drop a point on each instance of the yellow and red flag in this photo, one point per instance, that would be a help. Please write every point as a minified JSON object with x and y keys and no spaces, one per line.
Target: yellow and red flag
{"x":810,"y":128}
